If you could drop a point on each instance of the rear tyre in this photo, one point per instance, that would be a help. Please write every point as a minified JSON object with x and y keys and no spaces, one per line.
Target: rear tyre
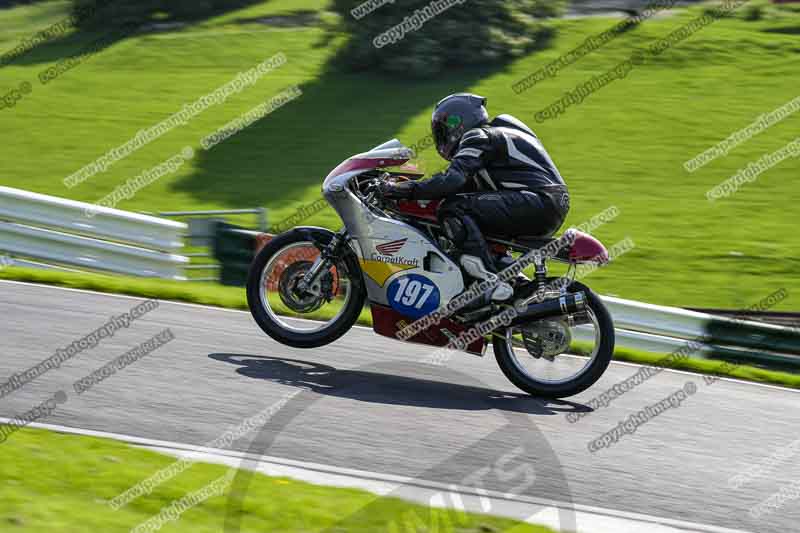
{"x":512,"y":361}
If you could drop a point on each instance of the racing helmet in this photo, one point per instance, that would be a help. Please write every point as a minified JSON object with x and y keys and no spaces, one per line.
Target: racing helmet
{"x":453,"y":116}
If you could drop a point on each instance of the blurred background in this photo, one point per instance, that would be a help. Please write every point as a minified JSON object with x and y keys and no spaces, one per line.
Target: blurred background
{"x":676,"y":121}
{"x":135,"y":63}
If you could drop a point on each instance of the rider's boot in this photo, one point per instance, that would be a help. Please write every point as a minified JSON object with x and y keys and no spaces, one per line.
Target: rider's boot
{"x":476,"y":259}
{"x":474,"y":266}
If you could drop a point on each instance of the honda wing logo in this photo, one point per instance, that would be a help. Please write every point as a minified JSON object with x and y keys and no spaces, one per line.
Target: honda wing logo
{"x":386,"y":253}
{"x":390,"y":248}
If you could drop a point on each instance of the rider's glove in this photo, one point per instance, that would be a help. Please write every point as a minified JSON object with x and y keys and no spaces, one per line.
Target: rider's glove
{"x":401,"y":190}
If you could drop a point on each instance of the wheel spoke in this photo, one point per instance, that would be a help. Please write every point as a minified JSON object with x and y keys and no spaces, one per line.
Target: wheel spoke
{"x":296,"y":310}
{"x":560,"y":368}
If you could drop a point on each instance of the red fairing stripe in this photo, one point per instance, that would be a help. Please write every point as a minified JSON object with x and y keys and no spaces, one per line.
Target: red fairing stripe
{"x":365,"y":164}
{"x":387,"y":322}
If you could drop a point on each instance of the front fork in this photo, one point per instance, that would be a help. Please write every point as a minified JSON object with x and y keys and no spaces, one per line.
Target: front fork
{"x":310,"y":284}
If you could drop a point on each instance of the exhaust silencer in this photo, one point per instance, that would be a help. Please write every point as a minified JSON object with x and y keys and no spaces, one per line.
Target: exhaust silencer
{"x":567,"y":304}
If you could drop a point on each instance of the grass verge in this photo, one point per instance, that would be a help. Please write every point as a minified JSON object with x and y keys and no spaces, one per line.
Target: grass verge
{"x":712,"y":367}
{"x":234,"y":298}
{"x":58,"y":482}
{"x":623,"y":145}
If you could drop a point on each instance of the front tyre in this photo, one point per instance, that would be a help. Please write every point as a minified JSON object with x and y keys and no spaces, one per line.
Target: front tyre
{"x":297,"y":318}
{"x":561,"y":375}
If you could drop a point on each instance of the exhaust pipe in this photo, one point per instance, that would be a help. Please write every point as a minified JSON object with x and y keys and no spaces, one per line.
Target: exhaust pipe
{"x":567,"y":304}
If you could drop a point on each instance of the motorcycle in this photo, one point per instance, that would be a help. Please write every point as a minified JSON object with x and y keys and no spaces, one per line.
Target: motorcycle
{"x":307,"y":287}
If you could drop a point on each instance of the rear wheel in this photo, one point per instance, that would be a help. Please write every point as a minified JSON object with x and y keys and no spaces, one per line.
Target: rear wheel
{"x":304,"y":318}
{"x":585,"y":351}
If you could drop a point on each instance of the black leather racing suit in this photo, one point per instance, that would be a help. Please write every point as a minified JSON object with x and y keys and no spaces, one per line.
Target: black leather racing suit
{"x":501,"y":181}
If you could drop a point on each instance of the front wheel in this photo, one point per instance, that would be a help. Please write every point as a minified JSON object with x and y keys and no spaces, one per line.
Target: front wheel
{"x":304,"y":318}
{"x":585,"y":351}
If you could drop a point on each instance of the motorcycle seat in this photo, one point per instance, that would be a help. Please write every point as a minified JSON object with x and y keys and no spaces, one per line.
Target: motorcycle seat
{"x":532,"y":241}
{"x":535,"y":242}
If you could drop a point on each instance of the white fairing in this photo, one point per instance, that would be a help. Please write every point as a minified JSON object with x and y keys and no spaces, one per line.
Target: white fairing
{"x":393,"y":144}
{"x":403,"y":268}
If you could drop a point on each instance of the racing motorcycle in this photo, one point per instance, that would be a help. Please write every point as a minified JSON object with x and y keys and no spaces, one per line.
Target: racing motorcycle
{"x":307,"y":287}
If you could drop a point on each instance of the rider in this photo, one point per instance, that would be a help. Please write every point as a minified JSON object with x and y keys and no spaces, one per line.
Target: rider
{"x":500,"y":180}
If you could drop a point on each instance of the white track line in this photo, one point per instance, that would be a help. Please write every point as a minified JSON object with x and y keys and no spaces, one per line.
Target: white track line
{"x":589,"y":519}
{"x":214,"y":308}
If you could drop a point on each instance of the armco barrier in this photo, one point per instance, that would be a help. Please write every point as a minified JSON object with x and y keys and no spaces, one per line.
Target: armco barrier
{"x":69,"y":216}
{"x":54,"y":230}
{"x":657,"y":344}
{"x":717,"y":330}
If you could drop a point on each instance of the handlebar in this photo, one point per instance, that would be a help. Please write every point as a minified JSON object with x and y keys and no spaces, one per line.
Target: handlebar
{"x":371,"y":190}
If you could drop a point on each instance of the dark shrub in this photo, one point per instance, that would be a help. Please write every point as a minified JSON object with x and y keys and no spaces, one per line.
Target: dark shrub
{"x":471,"y":33}
{"x":102,"y":13}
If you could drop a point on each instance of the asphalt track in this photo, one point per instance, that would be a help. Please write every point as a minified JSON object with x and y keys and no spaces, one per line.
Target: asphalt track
{"x":367,"y":403}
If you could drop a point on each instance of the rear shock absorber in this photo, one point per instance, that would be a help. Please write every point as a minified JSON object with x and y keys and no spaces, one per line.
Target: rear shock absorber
{"x":540,"y":273}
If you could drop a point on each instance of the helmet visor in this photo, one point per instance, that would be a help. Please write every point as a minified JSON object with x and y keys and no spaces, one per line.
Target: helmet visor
{"x":439,"y":129}
{"x":447,"y":131}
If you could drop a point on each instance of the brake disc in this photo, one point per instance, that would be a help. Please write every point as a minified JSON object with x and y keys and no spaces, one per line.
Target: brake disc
{"x":303,"y":301}
{"x":546,"y":338}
